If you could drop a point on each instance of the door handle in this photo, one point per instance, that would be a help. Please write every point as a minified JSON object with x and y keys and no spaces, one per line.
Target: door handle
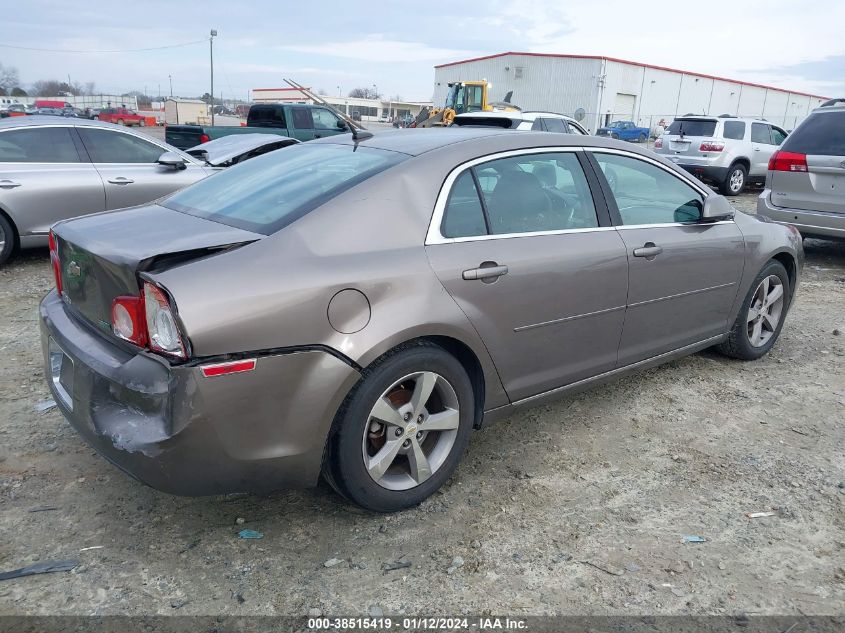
{"x":9,"y":184}
{"x":485,"y":272}
{"x":318,"y":136}
{"x":120,"y":180}
{"x":649,"y":250}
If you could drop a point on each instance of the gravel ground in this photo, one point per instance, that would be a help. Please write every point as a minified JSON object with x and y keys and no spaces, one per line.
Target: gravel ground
{"x":579,"y":507}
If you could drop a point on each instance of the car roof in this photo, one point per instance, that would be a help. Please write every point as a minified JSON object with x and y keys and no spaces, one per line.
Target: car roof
{"x":36,"y":120}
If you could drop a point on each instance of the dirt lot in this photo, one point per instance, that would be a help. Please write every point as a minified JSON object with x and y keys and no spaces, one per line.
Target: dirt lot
{"x":577,"y":507}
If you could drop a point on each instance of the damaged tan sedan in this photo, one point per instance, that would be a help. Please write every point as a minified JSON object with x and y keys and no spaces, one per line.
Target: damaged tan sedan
{"x":356,"y":306}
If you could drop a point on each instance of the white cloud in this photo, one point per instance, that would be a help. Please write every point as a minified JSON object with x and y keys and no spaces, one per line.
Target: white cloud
{"x":376,"y":48}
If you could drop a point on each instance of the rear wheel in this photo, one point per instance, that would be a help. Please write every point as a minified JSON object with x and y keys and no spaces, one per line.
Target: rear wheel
{"x":400,"y":434}
{"x":643,"y":138}
{"x":141,"y":123}
{"x":7,"y":240}
{"x":734,"y":182}
{"x":614,"y":135}
{"x":121,"y":122}
{"x":761,"y":316}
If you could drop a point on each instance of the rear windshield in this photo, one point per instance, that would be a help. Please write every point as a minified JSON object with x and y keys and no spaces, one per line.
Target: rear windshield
{"x":692,"y":127}
{"x":267,"y":193}
{"x":823,"y":134}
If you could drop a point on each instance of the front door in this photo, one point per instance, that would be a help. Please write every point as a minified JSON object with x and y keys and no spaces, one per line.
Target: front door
{"x":683,"y":274}
{"x":128,"y":167}
{"x":532,"y":261}
{"x":44,"y":179}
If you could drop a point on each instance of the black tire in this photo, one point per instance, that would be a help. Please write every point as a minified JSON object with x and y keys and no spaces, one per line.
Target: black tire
{"x":7,"y":236}
{"x":643,"y":138}
{"x":141,"y":123}
{"x":738,"y":344}
{"x":728,"y":186}
{"x":344,"y":467}
{"x":614,"y":135}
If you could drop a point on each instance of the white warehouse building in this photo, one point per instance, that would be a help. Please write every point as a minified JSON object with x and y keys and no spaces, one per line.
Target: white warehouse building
{"x":597,"y":90}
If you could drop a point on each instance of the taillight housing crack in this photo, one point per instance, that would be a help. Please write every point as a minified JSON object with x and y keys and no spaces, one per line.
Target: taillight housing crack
{"x":149,"y":320}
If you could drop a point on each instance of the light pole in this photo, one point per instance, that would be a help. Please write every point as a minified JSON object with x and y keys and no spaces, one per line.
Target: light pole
{"x":338,"y":91}
{"x":170,"y":78}
{"x":211,"y":54}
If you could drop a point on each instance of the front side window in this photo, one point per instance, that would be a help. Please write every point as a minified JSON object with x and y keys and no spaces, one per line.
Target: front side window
{"x":265,"y":194}
{"x":38,"y":145}
{"x":324,"y":120}
{"x":761,"y":133}
{"x":302,"y":119}
{"x":522,"y":194}
{"x":734,"y":130}
{"x":474,"y":99}
{"x":778,"y":136}
{"x":106,"y":146}
{"x":647,"y":194}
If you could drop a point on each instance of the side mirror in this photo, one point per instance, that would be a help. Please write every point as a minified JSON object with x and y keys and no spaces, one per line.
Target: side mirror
{"x":172,"y":159}
{"x":341,"y":125}
{"x":717,"y":208}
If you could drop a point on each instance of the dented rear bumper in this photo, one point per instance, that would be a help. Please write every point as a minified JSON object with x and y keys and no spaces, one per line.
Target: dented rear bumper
{"x":180,"y":432}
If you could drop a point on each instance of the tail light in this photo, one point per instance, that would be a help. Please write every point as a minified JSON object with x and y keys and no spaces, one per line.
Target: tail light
{"x":148,"y":321}
{"x":788,"y":161}
{"x":711,"y":146}
{"x":54,"y":260}
{"x":204,"y":138}
{"x":658,"y":143}
{"x":162,"y":331}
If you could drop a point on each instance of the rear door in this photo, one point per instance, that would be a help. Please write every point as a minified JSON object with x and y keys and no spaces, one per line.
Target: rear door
{"x":128,"y":167}
{"x":821,"y":138}
{"x":683,"y":275}
{"x":44,"y":178}
{"x":762,"y":147}
{"x":534,"y":264}
{"x":303,"y":123}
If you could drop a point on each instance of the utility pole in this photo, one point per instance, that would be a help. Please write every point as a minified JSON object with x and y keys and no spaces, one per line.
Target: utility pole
{"x":211,"y":53}
{"x":170,"y":77}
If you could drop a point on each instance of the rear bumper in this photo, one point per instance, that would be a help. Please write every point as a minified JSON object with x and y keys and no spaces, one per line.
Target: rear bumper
{"x":809,"y":223}
{"x":710,"y":173}
{"x":182,"y":433}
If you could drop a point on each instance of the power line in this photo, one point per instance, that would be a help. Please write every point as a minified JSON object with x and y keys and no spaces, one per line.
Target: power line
{"x":125,"y":50}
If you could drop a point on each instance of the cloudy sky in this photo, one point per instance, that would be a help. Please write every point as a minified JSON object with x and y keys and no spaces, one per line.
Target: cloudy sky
{"x":338,"y":45}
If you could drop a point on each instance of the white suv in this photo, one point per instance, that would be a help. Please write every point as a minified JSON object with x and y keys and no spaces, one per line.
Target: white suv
{"x":727,"y":151}
{"x":537,"y":121}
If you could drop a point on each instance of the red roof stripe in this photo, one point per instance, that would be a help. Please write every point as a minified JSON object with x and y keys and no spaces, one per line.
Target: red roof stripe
{"x":274,"y":89}
{"x":627,"y":61}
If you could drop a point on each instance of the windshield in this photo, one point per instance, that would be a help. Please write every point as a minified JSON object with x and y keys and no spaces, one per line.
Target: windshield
{"x":267,"y":193}
{"x":692,"y":127}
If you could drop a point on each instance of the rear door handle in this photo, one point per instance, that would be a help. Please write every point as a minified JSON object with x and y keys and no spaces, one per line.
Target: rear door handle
{"x":485,"y":272}
{"x":9,"y":184}
{"x":649,"y":250}
{"x":120,"y":180}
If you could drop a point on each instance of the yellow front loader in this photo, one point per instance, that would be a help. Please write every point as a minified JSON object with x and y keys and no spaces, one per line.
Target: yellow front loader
{"x":463,"y":96}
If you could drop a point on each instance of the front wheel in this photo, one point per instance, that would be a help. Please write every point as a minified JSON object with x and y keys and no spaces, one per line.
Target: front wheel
{"x":734,"y":182}
{"x":643,"y":138}
{"x":614,"y":135}
{"x":7,"y":240}
{"x":761,"y":316}
{"x":400,"y":434}
{"x":121,"y":122}
{"x":141,"y":123}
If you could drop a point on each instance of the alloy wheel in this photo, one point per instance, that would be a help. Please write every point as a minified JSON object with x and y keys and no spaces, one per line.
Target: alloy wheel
{"x":737,"y":180}
{"x":2,"y":239}
{"x":411,"y":430}
{"x":765,"y":311}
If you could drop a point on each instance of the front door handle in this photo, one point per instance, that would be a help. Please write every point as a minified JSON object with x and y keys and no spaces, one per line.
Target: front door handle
{"x":485,"y":272}
{"x":120,"y":180}
{"x":9,"y":184}
{"x":649,"y":250}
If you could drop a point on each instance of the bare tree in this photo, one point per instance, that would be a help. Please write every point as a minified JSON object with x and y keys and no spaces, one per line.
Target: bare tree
{"x":19,"y":92}
{"x":364,"y":93}
{"x":396,"y":98}
{"x":89,"y":88}
{"x":9,"y":78}
{"x":51,"y":88}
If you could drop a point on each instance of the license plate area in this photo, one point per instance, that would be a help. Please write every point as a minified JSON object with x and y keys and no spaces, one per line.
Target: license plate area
{"x":61,"y":374}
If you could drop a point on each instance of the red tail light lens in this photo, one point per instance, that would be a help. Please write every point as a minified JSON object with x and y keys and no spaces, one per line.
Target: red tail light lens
{"x":54,"y":260}
{"x":162,"y":332}
{"x":658,"y":143}
{"x":788,"y":161}
{"x":204,"y":138}
{"x":127,"y":319}
{"x":711,"y":146}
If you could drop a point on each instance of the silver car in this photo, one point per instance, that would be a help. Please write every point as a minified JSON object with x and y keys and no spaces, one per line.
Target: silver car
{"x":523,"y":120}
{"x":54,"y":168}
{"x":727,"y":151}
{"x":356,"y":306}
{"x":806,"y":181}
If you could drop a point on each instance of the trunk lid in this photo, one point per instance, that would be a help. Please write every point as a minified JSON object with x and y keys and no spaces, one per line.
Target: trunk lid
{"x":101,"y":255}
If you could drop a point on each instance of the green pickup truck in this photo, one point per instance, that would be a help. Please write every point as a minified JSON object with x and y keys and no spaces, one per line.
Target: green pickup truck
{"x":300,"y":121}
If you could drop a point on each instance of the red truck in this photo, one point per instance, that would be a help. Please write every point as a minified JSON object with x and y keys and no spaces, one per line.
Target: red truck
{"x":121,"y":116}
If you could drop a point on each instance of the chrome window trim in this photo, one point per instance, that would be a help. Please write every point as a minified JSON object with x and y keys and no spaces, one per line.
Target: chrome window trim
{"x":657,"y":163}
{"x":35,"y":127}
{"x":434,"y":236}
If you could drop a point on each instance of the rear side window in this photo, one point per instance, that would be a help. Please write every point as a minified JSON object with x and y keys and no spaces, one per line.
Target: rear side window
{"x":734,"y":130}
{"x":464,"y":216}
{"x":38,"y":145}
{"x":265,"y":194}
{"x":692,"y":127}
{"x":302,"y":119}
{"x":266,"y":116}
{"x":822,"y":134}
{"x":555,"y":125}
{"x":761,"y":133}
